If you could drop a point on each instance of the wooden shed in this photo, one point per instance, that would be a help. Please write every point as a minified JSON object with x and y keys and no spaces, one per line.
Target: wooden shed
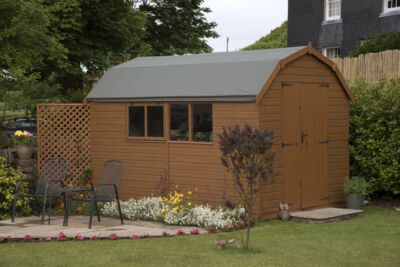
{"x":163,"y":114}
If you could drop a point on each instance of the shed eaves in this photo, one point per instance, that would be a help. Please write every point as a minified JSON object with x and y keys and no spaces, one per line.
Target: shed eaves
{"x":234,"y":76}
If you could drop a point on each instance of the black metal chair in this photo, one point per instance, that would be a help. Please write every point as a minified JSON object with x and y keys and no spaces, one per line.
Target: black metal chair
{"x":50,"y":184}
{"x":106,"y":190}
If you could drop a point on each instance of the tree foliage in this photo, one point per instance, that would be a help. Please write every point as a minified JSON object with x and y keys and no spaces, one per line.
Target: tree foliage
{"x":375,"y":44}
{"x":177,"y":26}
{"x":246,"y":154}
{"x":26,"y":47}
{"x":54,"y":50}
{"x":375,"y":135}
{"x":277,"y":38}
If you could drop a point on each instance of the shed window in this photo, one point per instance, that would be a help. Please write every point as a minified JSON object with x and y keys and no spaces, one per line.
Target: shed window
{"x":391,"y":5}
{"x":331,"y":52}
{"x":179,"y":129}
{"x":136,"y":121}
{"x":146,"y":121}
{"x":202,"y":122}
{"x":191,"y":122}
{"x":333,"y":9}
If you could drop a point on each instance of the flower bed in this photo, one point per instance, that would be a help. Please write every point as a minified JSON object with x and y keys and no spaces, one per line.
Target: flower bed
{"x":176,"y":209}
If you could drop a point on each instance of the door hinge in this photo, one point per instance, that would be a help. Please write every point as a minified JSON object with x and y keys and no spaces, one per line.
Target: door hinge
{"x":325,"y":198}
{"x":324,"y":142}
{"x":286,"y":84}
{"x":326,"y":85}
{"x":285,"y":145}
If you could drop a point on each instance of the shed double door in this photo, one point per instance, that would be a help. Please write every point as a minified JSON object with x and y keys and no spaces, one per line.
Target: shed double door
{"x":305,"y":145}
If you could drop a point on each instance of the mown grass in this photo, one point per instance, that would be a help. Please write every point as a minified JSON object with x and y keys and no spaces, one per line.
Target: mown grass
{"x":371,"y":240}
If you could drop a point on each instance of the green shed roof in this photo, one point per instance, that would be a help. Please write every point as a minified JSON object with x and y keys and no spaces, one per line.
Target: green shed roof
{"x":233,"y":76}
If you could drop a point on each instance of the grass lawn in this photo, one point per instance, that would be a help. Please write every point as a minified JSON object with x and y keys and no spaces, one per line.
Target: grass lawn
{"x":373,"y":239}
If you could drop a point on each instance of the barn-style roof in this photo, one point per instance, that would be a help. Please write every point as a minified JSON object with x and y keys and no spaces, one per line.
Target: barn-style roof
{"x":234,"y":76}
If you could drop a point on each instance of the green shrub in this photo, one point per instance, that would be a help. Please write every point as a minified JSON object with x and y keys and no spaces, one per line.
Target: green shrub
{"x":356,"y":185}
{"x":375,"y":135}
{"x":375,"y":44}
{"x":8,"y":180}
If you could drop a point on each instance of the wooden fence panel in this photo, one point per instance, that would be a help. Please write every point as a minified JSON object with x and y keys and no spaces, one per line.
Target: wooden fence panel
{"x":64,"y":132}
{"x":372,"y":67}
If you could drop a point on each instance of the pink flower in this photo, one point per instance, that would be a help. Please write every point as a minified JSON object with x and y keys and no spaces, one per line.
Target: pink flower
{"x":79,"y":237}
{"x":164,"y":234}
{"x":40,"y":240}
{"x":28,"y":238}
{"x":133,"y":236}
{"x":93,"y":237}
{"x":113,"y":236}
{"x":195,"y":231}
{"x":180,"y":232}
{"x":48,"y":239}
{"x":147,"y":235}
{"x":212,"y":229}
{"x":237,"y":224}
{"x":62,"y":237}
{"x":242,"y":224}
{"x":9,"y":238}
{"x":2,"y":239}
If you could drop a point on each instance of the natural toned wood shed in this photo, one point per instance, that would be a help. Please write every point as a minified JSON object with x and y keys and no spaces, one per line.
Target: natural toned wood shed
{"x":164,"y":114}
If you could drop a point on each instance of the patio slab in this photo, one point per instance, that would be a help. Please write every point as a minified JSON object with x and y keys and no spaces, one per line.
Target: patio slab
{"x":79,"y":225}
{"x":324,"y":215}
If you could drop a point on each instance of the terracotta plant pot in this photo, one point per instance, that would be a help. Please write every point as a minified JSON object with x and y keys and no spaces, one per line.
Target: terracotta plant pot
{"x":24,"y":152}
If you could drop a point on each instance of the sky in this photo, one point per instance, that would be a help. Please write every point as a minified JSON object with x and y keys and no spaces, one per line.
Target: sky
{"x":244,"y":21}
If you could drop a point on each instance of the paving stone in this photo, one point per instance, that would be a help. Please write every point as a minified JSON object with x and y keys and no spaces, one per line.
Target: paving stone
{"x":324,"y":215}
{"x":79,"y":225}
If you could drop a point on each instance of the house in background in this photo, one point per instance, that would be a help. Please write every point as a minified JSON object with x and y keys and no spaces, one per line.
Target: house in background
{"x":336,"y":27}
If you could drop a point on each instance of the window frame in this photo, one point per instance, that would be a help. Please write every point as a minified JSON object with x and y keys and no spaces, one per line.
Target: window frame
{"x":386,"y":9}
{"x":146,"y":137}
{"x":325,"y":51}
{"x":190,"y":114}
{"x":327,"y":17}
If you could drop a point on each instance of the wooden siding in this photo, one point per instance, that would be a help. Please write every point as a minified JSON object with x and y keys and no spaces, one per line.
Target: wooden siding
{"x":189,"y":164}
{"x":306,"y":69}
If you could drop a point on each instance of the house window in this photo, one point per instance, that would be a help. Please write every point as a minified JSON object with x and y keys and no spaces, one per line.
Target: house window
{"x":391,"y":5}
{"x":331,"y":52}
{"x":333,"y":9}
{"x":191,"y":122}
{"x":146,"y":121}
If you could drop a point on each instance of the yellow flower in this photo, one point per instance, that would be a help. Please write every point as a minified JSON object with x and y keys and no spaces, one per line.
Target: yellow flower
{"x":196,"y":188}
{"x":166,"y":217}
{"x":176,"y":186}
{"x":18,"y":133}
{"x":181,"y":212}
{"x":132,"y":200}
{"x":189,"y":192}
{"x":162,"y":210}
{"x":189,"y":204}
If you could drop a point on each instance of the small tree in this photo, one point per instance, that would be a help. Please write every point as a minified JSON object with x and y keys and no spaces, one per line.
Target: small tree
{"x":246,"y":153}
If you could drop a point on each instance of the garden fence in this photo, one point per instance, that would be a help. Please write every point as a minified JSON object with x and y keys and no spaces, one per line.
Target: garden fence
{"x":64,"y":132}
{"x":372,"y":67}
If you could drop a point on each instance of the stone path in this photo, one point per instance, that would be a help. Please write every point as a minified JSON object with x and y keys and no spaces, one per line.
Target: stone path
{"x":79,"y":225}
{"x":324,"y":215}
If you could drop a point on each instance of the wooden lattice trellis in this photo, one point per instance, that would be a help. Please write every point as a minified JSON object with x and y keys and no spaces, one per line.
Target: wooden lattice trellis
{"x":64,"y":132}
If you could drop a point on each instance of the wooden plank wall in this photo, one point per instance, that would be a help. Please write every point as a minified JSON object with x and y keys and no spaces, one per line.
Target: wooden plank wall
{"x":306,"y":69}
{"x":189,"y":164}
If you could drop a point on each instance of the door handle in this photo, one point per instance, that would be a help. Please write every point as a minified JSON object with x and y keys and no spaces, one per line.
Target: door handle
{"x":302,"y":135}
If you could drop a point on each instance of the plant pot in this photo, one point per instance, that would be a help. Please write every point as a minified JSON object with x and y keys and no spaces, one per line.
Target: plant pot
{"x":354,"y":201}
{"x":24,"y":152}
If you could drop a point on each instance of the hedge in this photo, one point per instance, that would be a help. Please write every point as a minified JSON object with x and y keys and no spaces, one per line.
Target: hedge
{"x":375,"y":135}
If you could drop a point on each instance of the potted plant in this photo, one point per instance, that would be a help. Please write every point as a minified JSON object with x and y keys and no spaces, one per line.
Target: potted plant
{"x":356,"y":189}
{"x":22,"y":141}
